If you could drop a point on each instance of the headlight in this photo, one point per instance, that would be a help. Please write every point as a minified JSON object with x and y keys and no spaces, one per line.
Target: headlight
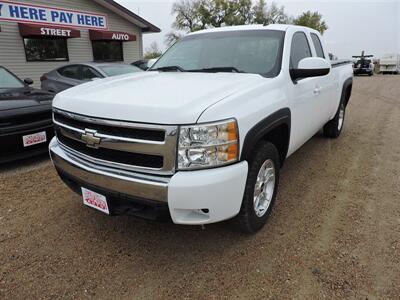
{"x":208,"y":145}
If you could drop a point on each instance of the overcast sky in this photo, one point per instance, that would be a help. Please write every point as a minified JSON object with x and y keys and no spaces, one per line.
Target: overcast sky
{"x":354,"y":25}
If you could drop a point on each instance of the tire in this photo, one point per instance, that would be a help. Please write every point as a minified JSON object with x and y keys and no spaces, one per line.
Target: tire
{"x":334,"y":127}
{"x":264,"y":157}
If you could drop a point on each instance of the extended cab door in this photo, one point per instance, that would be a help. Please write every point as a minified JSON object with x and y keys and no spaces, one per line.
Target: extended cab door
{"x":327,"y":83}
{"x":306,"y":96}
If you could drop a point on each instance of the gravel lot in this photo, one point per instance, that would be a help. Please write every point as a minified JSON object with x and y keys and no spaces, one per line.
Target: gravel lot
{"x":334,"y":232}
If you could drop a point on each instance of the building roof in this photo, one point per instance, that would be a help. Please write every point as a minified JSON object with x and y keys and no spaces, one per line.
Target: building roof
{"x":129,"y":15}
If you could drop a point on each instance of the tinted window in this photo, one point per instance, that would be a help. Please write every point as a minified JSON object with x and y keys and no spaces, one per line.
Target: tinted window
{"x":88,"y":73}
{"x":7,"y":80}
{"x":107,"y":51}
{"x":44,"y":49}
{"x":300,"y":49}
{"x":255,"y":51}
{"x":119,"y":69}
{"x":70,"y":72}
{"x":317,"y":45}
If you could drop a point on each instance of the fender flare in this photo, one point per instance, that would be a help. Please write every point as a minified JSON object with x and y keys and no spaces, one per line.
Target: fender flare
{"x":262,"y":128}
{"x":347,"y":83}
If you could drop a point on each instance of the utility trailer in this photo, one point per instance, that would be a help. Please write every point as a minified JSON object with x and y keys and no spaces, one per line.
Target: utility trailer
{"x":390,"y":63}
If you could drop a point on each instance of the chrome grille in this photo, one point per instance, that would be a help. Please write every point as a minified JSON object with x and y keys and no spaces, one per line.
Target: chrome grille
{"x":119,"y":144}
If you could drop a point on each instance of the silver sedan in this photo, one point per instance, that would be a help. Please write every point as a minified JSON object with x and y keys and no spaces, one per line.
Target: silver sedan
{"x":75,"y":74}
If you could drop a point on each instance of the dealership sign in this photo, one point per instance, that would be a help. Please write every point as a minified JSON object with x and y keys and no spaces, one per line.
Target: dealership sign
{"x":37,"y":14}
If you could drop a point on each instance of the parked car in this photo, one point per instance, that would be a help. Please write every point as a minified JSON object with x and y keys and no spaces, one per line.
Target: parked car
{"x":75,"y":74}
{"x":144,"y":64}
{"x":363,"y":64}
{"x":207,"y":143}
{"x":25,"y":118}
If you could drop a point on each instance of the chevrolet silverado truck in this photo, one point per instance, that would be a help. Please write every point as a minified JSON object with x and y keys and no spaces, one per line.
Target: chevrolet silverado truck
{"x":201,"y":136}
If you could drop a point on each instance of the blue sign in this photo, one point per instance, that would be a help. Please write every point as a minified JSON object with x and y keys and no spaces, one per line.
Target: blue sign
{"x":37,"y":14}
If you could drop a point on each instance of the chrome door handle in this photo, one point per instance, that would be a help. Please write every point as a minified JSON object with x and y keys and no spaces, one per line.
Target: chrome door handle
{"x":317,"y":91}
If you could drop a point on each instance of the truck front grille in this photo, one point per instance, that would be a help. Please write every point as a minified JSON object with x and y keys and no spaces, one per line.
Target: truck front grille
{"x":119,"y":144}
{"x":134,"y":133}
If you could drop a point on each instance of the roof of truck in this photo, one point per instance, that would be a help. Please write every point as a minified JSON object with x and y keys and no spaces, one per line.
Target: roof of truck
{"x":282,"y":27}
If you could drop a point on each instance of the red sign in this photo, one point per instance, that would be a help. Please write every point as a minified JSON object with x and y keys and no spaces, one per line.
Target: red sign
{"x":96,"y":35}
{"x":39,"y":30}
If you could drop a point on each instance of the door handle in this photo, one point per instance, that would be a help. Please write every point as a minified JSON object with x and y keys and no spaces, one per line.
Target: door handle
{"x":317,"y":90}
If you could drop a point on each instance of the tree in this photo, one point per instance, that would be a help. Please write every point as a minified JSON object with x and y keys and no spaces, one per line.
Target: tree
{"x":188,"y":17}
{"x":312,"y":20}
{"x":193,"y":15}
{"x":264,"y":14}
{"x":171,"y":37}
{"x":153,"y":51}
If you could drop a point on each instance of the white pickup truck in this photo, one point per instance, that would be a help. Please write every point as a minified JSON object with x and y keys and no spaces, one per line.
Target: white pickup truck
{"x":202,"y":135}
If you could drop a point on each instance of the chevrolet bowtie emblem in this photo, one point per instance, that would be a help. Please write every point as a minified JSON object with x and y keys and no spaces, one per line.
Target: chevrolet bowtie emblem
{"x":89,"y":137}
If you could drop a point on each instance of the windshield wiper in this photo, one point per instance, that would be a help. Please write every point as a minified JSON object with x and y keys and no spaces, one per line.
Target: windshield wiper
{"x":169,"y":68}
{"x":218,"y":69}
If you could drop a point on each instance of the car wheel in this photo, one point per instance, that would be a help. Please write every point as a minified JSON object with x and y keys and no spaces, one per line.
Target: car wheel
{"x":334,"y":127}
{"x":261,"y":188}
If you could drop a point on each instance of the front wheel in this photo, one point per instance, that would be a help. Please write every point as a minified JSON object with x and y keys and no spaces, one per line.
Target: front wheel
{"x":261,"y":188}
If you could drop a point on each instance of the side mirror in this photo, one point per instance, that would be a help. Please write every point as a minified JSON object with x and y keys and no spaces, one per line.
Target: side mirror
{"x":310,"y":67}
{"x":28,"y":81}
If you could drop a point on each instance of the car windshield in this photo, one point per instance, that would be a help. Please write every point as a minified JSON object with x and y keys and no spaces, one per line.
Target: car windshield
{"x":247,"y":51}
{"x":8,"y":80}
{"x":114,"y":70}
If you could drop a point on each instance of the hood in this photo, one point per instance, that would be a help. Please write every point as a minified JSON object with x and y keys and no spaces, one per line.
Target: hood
{"x":23,"y":97}
{"x":153,"y":97}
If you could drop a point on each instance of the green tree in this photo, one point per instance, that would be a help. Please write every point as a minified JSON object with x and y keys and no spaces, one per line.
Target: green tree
{"x":272,"y":14}
{"x":153,"y":51}
{"x":193,"y":15}
{"x":312,"y":20}
{"x":188,"y":16}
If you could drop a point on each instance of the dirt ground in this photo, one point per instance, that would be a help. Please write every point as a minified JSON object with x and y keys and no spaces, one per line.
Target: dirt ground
{"x":334,"y":232}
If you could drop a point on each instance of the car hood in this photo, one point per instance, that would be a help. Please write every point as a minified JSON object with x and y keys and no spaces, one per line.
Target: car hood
{"x":153,"y":97}
{"x":23,"y":97}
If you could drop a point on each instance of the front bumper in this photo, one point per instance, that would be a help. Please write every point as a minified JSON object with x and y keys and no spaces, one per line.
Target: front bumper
{"x":191,"y":197}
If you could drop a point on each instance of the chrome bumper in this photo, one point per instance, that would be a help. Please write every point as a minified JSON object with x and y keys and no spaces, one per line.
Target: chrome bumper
{"x":138,"y":185}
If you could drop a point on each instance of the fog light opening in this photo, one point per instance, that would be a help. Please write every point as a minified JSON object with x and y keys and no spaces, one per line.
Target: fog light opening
{"x":205,"y":210}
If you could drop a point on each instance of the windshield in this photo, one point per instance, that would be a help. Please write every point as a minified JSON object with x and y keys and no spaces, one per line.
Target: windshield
{"x":119,"y":69}
{"x":8,"y":80}
{"x":248,"y":51}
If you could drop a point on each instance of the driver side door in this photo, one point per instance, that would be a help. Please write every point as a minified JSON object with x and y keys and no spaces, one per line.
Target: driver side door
{"x":305,"y":95}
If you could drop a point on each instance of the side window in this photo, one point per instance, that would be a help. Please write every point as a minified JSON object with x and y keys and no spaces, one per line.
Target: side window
{"x":70,"y":72}
{"x":88,"y":73}
{"x":317,"y":45}
{"x":300,"y":49}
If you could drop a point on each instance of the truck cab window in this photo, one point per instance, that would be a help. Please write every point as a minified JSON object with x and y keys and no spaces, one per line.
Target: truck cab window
{"x":300,"y":49}
{"x":317,"y":45}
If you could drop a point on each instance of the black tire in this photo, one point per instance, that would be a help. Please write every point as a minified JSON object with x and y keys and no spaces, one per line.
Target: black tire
{"x":247,"y":220}
{"x":333,"y":128}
